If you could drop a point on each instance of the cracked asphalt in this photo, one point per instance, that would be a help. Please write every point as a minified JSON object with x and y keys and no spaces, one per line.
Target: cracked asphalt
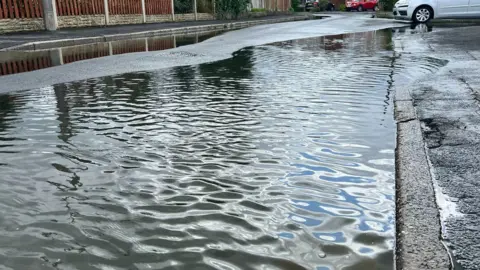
{"x":447,"y":105}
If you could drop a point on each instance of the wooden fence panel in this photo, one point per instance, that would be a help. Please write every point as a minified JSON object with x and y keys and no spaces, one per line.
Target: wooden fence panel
{"x":79,"y":7}
{"x":158,"y":7}
{"x":124,"y":7}
{"x":18,"y":9}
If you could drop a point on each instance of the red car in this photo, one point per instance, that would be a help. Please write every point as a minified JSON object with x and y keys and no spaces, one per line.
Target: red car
{"x":361,"y":5}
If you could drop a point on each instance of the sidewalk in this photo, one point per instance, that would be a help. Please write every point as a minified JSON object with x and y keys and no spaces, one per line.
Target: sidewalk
{"x":438,"y":155}
{"x":88,"y":34}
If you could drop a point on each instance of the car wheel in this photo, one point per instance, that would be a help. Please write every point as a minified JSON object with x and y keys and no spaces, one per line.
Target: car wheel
{"x":360,"y":9}
{"x":422,"y":15}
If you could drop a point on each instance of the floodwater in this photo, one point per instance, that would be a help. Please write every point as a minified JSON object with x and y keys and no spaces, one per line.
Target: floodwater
{"x":281,"y":157}
{"x":12,"y":62}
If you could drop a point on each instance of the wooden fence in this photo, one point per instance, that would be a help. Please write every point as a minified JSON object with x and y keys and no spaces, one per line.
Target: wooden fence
{"x":283,"y":5}
{"x":115,"y":7}
{"x":120,"y":7}
{"x":154,"y":7}
{"x":17,"y":9}
{"x":79,"y":7}
{"x":272,"y":5}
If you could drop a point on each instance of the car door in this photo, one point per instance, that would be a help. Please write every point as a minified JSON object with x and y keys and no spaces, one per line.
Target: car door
{"x":369,"y":4}
{"x":474,"y":8}
{"x":453,"y":8}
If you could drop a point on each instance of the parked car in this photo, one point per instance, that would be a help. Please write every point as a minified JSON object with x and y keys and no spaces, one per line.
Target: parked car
{"x":310,"y":4}
{"x":422,"y":11}
{"x":361,"y":5}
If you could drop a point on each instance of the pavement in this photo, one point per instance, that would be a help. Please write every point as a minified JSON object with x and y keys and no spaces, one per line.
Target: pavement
{"x":438,"y":152}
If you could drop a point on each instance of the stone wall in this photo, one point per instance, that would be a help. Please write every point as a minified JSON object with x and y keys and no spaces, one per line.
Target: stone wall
{"x":205,"y":16}
{"x":98,"y":20}
{"x":159,"y":18}
{"x":18,"y":25}
{"x":191,"y":17}
{"x":126,"y":19}
{"x":80,"y":21}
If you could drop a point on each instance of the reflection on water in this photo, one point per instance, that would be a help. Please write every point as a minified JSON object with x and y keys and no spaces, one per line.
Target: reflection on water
{"x":279,"y":158}
{"x":13,"y":62}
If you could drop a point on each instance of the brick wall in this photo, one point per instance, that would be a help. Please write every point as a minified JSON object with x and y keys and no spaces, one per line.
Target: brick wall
{"x":80,"y":21}
{"x":18,"y":25}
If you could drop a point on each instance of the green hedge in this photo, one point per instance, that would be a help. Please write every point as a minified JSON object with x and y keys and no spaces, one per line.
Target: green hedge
{"x":231,"y":9}
{"x":387,"y":4}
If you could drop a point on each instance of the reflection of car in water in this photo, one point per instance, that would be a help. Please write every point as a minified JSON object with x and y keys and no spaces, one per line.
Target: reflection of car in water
{"x":422,"y":11}
{"x":361,"y":5}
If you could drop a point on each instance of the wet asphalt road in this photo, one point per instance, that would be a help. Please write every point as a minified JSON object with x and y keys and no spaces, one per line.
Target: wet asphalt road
{"x":447,"y":105}
{"x":214,"y":49}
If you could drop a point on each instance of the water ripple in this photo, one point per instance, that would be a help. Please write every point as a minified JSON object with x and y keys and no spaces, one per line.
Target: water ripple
{"x":279,"y":158}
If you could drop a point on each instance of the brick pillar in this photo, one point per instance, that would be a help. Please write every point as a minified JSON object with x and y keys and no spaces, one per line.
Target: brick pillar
{"x":50,"y":15}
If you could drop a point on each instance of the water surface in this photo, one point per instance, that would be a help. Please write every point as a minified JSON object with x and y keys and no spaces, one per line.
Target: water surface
{"x":281,"y":157}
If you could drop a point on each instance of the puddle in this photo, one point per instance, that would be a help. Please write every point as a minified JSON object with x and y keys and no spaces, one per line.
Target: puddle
{"x":278,"y":158}
{"x":13,"y":62}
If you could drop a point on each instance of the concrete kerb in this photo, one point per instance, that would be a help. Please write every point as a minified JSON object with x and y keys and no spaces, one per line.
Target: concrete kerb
{"x":43,"y":45}
{"x":418,"y":227}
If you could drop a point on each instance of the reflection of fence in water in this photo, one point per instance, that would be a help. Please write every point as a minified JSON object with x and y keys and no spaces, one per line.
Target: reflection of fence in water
{"x":84,"y":52}
{"x":129,"y":46}
{"x":25,"y":65}
{"x":13,"y":62}
{"x":160,"y":44}
{"x":29,"y":61}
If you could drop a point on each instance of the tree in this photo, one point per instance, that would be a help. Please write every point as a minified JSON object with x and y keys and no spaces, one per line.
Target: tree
{"x":228,"y":9}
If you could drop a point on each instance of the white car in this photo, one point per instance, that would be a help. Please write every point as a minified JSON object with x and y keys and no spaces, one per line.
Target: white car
{"x":421,"y":11}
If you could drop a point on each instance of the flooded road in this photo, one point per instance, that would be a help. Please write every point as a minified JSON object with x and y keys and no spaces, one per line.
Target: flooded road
{"x":13,"y":62}
{"x":281,"y":157}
